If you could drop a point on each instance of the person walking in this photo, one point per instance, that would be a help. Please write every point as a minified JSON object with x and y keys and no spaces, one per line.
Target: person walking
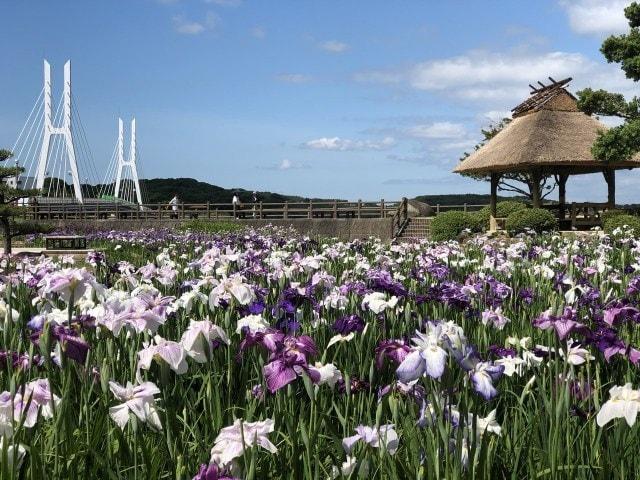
{"x":235,"y":203}
{"x":254,"y":198}
{"x":174,"y":202}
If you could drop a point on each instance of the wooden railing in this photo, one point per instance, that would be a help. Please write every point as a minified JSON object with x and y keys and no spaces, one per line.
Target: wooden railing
{"x":580,"y":214}
{"x":259,"y":210}
{"x":466,"y":207}
{"x":587,"y":214}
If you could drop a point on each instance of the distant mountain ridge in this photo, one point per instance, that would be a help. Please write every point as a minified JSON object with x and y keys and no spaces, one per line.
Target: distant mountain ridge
{"x":462,"y":198}
{"x":190,"y":190}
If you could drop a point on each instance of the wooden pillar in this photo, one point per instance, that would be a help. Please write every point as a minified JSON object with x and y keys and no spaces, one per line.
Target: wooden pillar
{"x":536,"y":195}
{"x":562,"y":195}
{"x":493,"y":202}
{"x":610,"y":177}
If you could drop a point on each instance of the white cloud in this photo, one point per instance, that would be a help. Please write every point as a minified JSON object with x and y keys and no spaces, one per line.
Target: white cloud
{"x":285,"y":164}
{"x":293,"y":77}
{"x":185,"y":26}
{"x":492,"y":69}
{"x":596,"y":17}
{"x":437,"y":130}
{"x":344,"y":144}
{"x":499,"y":80}
{"x":258,"y":32}
{"x":334,"y":46}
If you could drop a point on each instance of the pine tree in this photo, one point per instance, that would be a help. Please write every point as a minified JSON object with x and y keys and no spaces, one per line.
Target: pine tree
{"x":622,"y":142}
{"x":9,"y":208}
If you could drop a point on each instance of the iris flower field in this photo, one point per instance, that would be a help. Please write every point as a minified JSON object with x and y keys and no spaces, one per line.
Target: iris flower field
{"x":266,"y":355}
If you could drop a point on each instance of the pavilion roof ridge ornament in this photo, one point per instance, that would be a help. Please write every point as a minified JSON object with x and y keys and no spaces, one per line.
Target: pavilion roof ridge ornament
{"x":541,"y":95}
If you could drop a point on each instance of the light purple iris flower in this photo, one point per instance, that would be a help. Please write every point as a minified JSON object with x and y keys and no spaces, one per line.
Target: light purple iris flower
{"x":36,"y":397}
{"x":483,"y":376}
{"x":68,"y":282}
{"x":563,"y":325}
{"x":232,"y":441}
{"x":137,"y":399}
{"x":201,"y":338}
{"x":171,"y":352}
{"x":427,"y":357}
{"x":384,"y":435}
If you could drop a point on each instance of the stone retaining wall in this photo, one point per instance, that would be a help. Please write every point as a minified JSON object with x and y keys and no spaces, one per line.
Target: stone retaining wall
{"x":342,"y":228}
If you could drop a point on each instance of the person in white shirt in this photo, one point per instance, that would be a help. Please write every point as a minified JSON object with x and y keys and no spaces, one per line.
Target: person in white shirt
{"x":255,"y":202}
{"x":174,"y":206}
{"x":235,"y":203}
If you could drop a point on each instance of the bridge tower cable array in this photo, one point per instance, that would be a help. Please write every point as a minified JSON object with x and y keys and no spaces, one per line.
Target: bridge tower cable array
{"x":50,"y":129}
{"x":53,"y":150}
{"x":133,"y":183}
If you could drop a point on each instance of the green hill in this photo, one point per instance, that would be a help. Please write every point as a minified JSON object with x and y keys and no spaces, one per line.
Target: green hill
{"x":462,"y":198}
{"x":189,"y":190}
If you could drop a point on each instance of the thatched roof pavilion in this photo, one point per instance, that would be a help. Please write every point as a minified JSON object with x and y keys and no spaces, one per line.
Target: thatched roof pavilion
{"x":547,"y":136}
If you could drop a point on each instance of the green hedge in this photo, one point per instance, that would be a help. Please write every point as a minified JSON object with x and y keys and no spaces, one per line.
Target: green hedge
{"x":622,"y":221}
{"x":536,"y":219}
{"x":204,"y":226}
{"x":449,"y":225}
{"x":503,"y":210}
{"x":607,"y":214}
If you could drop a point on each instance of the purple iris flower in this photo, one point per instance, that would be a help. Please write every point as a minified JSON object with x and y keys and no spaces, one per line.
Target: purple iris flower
{"x":634,"y":286}
{"x":564,"y":325}
{"x":634,"y":355}
{"x":394,"y":350}
{"x":499,"y":289}
{"x":607,"y":341}
{"x":290,"y":360}
{"x":283,"y":370}
{"x":358,"y":287}
{"x":355,"y":385}
{"x":71,"y":344}
{"x":381,"y":280}
{"x":349,"y":323}
{"x":213,"y":472}
{"x":438,"y":270}
{"x":256,"y":308}
{"x":526,"y":295}
{"x":617,"y":314}
{"x":501,"y":352}
{"x":270,"y":339}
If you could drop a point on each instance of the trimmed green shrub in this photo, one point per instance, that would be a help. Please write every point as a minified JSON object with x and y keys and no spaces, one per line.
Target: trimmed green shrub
{"x":537,"y":219}
{"x":449,"y":225}
{"x":606,"y":215}
{"x":503,"y":210}
{"x":205,"y":226}
{"x":622,"y":221}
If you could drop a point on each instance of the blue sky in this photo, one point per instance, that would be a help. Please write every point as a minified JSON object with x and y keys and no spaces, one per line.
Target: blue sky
{"x":351,"y":99}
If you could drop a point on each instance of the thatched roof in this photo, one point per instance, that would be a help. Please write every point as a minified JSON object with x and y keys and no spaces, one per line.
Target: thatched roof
{"x":547,"y":132}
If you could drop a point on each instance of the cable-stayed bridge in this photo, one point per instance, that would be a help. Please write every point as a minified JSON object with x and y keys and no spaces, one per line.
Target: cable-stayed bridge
{"x":53,"y":149}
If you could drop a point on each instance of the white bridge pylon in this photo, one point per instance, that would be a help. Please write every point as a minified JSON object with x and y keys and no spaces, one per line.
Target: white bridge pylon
{"x":64,"y":130}
{"x":130,"y":162}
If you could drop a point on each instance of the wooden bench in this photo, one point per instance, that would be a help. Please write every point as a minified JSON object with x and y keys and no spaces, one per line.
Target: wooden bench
{"x":65,"y":242}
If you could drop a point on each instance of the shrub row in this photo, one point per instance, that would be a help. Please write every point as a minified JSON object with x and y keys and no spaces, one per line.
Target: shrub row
{"x":623,"y":221}
{"x":520,"y":218}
